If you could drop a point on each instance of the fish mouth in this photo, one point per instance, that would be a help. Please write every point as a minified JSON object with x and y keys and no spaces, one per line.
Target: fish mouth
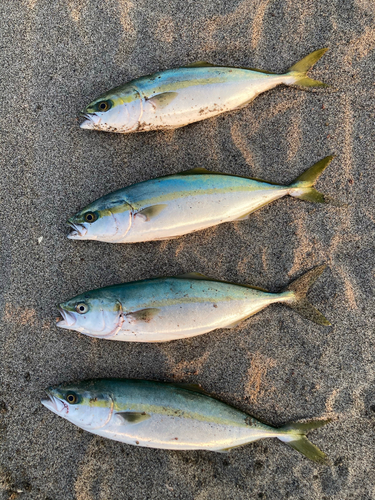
{"x":90,"y":121}
{"x":77,"y":231}
{"x":55,"y":404}
{"x":68,"y":320}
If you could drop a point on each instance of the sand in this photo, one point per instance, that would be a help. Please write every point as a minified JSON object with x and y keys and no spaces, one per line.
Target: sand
{"x":55,"y":58}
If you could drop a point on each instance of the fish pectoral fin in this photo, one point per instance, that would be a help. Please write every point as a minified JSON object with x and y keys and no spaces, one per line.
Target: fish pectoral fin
{"x":199,"y":64}
{"x":162,"y":100}
{"x":132,"y":417}
{"x":142,"y":315}
{"x":149,"y":212}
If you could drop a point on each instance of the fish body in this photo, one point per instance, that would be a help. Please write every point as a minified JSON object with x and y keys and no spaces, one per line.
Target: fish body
{"x":165,"y":309}
{"x":177,"y":97}
{"x":171,"y":206}
{"x":171,"y":308}
{"x":159,"y":415}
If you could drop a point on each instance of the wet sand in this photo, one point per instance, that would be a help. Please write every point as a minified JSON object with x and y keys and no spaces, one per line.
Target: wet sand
{"x":55,"y":58}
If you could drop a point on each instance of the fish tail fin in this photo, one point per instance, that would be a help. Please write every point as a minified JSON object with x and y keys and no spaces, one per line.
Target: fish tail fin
{"x":302,"y":187}
{"x":295,"y":436}
{"x":299,"y":303}
{"x":300,"y":69}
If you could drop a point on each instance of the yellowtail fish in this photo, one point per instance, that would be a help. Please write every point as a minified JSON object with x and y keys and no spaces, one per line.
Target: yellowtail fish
{"x":176,"y":97}
{"x":168,"y":207}
{"x":167,"y":416}
{"x":163,"y":309}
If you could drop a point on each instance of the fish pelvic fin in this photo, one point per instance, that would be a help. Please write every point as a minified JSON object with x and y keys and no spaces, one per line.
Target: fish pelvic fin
{"x":294,"y":435}
{"x":299,"y":302}
{"x":302,"y":187}
{"x":300,"y":69}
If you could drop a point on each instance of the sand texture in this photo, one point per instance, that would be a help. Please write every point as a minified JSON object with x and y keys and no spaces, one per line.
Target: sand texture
{"x":55,"y":57}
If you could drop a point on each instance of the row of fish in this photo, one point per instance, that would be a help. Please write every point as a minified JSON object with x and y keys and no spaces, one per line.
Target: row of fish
{"x":175,"y":416}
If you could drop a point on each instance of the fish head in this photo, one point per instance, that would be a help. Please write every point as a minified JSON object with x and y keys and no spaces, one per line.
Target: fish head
{"x":97,"y":314}
{"x":107,"y":219}
{"x":82,"y":403}
{"x":118,"y":110}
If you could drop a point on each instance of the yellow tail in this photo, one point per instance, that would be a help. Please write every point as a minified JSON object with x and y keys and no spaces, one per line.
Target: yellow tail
{"x":295,"y":436}
{"x":300,"y":69}
{"x":304,"y":184}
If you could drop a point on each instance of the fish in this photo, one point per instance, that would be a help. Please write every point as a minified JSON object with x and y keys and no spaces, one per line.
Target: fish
{"x":174,"y":205}
{"x":169,"y":416}
{"x":177,"y":97}
{"x":171,"y":308}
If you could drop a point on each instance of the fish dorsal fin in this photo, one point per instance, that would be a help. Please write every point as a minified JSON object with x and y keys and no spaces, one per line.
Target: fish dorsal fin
{"x":199,"y":276}
{"x":150,"y":212}
{"x":192,"y":171}
{"x":142,"y":315}
{"x":253,"y":287}
{"x":195,"y":276}
{"x":205,"y":64}
{"x":132,"y":417}
{"x":162,"y":100}
{"x":192,"y":387}
{"x":199,"y":64}
{"x":202,"y":170}
{"x":258,"y":70}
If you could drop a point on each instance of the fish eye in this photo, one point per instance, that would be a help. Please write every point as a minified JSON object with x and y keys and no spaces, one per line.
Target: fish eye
{"x":71,"y":398}
{"x":104,"y":106}
{"x":90,"y":217}
{"x":82,"y":308}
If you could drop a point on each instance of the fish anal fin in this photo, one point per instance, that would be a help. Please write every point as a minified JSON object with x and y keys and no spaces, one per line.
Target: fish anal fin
{"x":238,"y":321}
{"x":152,"y":211}
{"x":162,"y":100}
{"x":235,"y":323}
{"x":245,"y":216}
{"x":227,"y":450}
{"x":132,"y":417}
{"x":145,"y":315}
